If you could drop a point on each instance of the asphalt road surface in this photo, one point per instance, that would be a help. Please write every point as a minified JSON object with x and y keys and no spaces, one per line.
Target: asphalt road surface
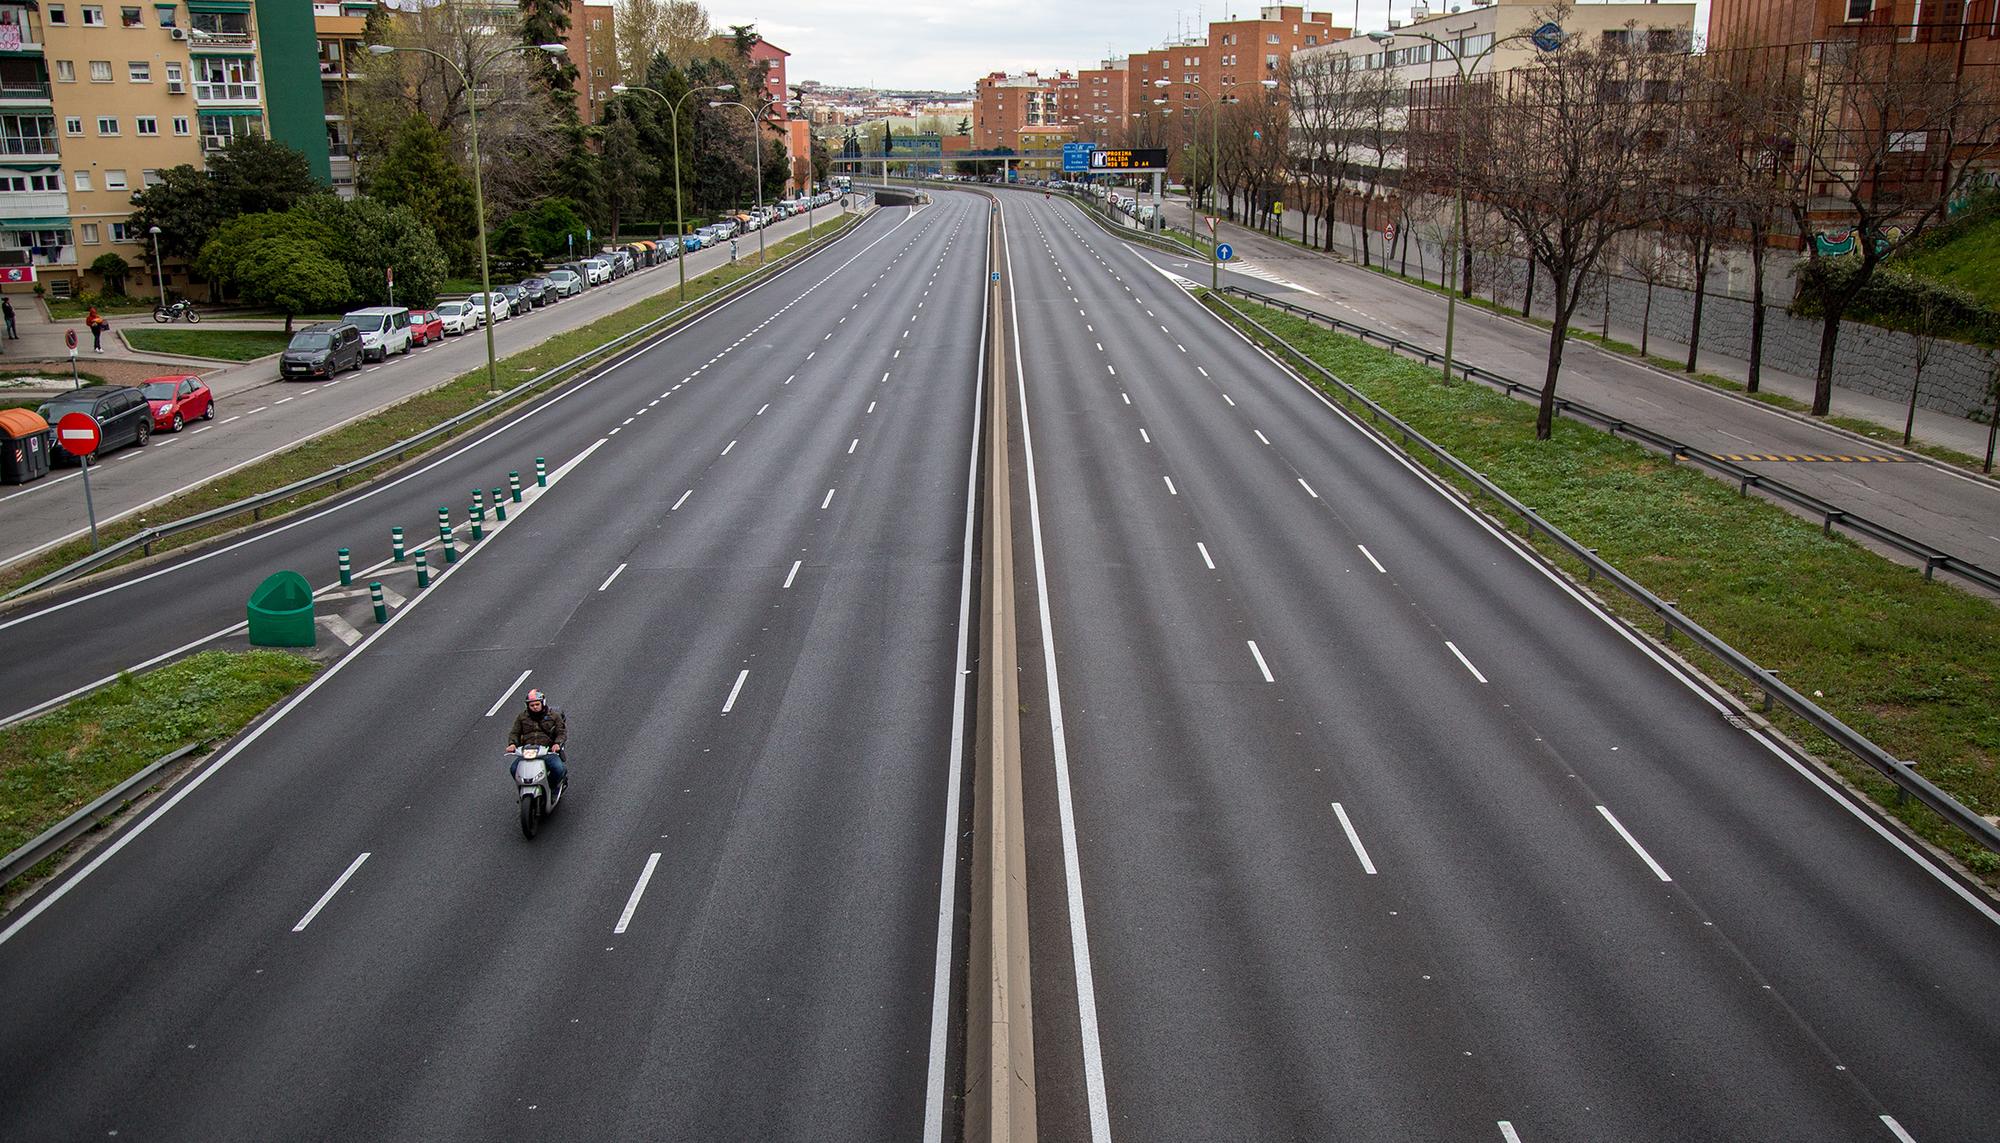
{"x":1349,"y":821}
{"x":748,"y":585}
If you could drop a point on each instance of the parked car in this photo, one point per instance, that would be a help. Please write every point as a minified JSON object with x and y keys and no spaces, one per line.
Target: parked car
{"x":538,"y":291}
{"x":124,"y":417}
{"x":457,"y":317}
{"x":493,"y":308}
{"x":384,"y":330}
{"x":597,"y":270}
{"x":177,"y":399}
{"x":323,"y":350}
{"x":517,"y":299}
{"x":581,"y":271}
{"x":425,"y":327}
{"x":566,"y":282}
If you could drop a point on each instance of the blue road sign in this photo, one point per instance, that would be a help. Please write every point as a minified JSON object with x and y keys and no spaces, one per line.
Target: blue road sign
{"x":1076,"y":156}
{"x":996,"y":275}
{"x":1548,"y":37}
{"x":1223,"y":252}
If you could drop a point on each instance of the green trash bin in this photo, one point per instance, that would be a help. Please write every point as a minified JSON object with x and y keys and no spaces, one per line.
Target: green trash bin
{"x":281,"y":612}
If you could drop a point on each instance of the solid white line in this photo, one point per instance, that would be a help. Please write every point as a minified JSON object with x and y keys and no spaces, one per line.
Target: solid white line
{"x":1171,"y":490}
{"x":1376,"y":562}
{"x":733,"y":691}
{"x":1204,"y":555}
{"x":638,"y":891}
{"x":515,"y":685}
{"x":1507,"y":1132}
{"x":827,"y":501}
{"x":328,"y":895}
{"x":727,"y":447}
{"x":1634,"y":843}
{"x":1896,"y":1129}
{"x":1079,"y":938}
{"x":612,"y":576}
{"x":1261,"y":666}
{"x":1354,"y":839}
{"x":1464,"y":660}
{"x":681,"y":501}
{"x":1308,"y":488}
{"x":796,"y":564}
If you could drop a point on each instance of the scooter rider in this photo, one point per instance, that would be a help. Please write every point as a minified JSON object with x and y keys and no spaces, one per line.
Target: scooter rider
{"x":540,"y":725}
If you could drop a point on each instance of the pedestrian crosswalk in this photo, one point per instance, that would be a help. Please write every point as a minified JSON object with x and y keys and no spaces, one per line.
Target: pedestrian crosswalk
{"x":1264,"y":275}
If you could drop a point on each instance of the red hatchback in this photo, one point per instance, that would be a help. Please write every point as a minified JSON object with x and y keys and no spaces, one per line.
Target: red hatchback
{"x":425,"y":327}
{"x":178,"y":399}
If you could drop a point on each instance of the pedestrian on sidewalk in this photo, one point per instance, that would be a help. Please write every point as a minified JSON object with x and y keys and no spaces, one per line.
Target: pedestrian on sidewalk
{"x":96,"y":323}
{"x":7,"y":312}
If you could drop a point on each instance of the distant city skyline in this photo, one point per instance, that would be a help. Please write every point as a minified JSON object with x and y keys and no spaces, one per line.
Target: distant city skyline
{"x":933,"y":45}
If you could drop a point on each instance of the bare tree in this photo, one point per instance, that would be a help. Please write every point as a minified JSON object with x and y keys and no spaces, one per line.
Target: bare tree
{"x":1324,"y":121}
{"x":1646,"y":256}
{"x":1380,"y":100}
{"x":1923,"y":328}
{"x":1890,"y":132}
{"x":1569,"y":149}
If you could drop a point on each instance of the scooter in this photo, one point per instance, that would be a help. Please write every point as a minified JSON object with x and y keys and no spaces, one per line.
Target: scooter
{"x":539,"y":793}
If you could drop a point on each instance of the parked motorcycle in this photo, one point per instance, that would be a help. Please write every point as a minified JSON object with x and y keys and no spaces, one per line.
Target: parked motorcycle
{"x":539,"y":793}
{"x":175,"y":311}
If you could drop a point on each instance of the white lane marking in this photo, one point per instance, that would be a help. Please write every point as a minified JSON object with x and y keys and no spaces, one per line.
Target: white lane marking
{"x":1372,"y":559}
{"x":735,"y":690}
{"x":1896,"y":1129}
{"x":852,"y":444}
{"x":681,"y":501}
{"x":790,"y":379}
{"x":1204,"y":555}
{"x":1127,"y":397}
{"x":1261,"y":665}
{"x":614,"y":432}
{"x":625,"y":422}
{"x":760,"y":412}
{"x":827,"y":501}
{"x":1100,"y":346}
{"x":1507,"y":1132}
{"x":1179,"y":346}
{"x":341,"y":629}
{"x":1144,"y":437}
{"x":811,"y":355}
{"x":328,"y":895}
{"x":509,"y":692}
{"x":1634,"y":843}
{"x":1354,"y":839}
{"x":1308,"y":488}
{"x":727,"y":447}
{"x":638,"y":891}
{"x":237,"y":417}
{"x":614,"y":575}
{"x":796,"y":564}
{"x":1113,"y":370}
{"x":1171,"y":490}
{"x":1079,"y":942}
{"x":1225,"y":397}
{"x":1261,"y":436}
{"x":283,"y":400}
{"x":1464,"y":660}
{"x":1734,"y":437}
{"x":870,"y":408}
{"x":201,"y":430}
{"x":258,"y":409}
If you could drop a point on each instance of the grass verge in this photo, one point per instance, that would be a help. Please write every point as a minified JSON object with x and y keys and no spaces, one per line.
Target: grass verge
{"x":222,"y":344}
{"x":1912,"y":665}
{"x":56,"y":764}
{"x":74,"y":309}
{"x":394,"y":423}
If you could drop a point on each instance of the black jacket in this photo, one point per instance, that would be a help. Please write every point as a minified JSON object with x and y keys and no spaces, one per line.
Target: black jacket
{"x":546,"y":729}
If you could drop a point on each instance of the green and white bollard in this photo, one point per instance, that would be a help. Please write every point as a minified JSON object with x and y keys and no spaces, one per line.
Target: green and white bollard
{"x":499,"y":506}
{"x":514,"y":485}
{"x":375,"y":597}
{"x":541,"y":473}
{"x":346,"y":568}
{"x":423,"y":570}
{"x":444,"y":535}
{"x":396,"y":543}
{"x":478,"y":522}
{"x":478,"y":497}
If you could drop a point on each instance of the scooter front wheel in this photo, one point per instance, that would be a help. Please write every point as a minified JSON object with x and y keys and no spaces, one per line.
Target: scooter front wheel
{"x":531,"y":815}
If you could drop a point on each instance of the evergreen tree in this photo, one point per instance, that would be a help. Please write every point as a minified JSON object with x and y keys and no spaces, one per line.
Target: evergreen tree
{"x":416,"y":173}
{"x":547,"y":22}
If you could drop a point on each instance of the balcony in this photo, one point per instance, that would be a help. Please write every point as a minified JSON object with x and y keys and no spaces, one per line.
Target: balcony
{"x":20,"y":29}
{"x":18,"y":93}
{"x":32,"y":204}
{"x":244,"y":94}
{"x":30,"y":147}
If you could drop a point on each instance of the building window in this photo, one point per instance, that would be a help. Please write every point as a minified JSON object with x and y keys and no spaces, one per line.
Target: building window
{"x":57,"y":15}
{"x":80,"y":180}
{"x":90,"y":234}
{"x":149,"y":177}
{"x":115,"y":180}
{"x":65,"y":71}
{"x":180,"y":125}
{"x":146,"y":125}
{"x":124,"y":232}
{"x":93,"y":16}
{"x":72,"y":124}
{"x":1859,"y":9}
{"x":22,"y":184}
{"x":167,"y":15}
{"x":107,"y":125}
{"x":1272,"y":38}
{"x":234,"y":77}
{"x":1270,"y":63}
{"x":221,"y":23}
{"x":173,"y":72}
{"x":128,"y":17}
{"x":139,"y":71}
{"x":100,"y":71}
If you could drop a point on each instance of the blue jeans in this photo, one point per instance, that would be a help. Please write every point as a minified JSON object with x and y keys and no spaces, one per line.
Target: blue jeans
{"x":557,"y":767}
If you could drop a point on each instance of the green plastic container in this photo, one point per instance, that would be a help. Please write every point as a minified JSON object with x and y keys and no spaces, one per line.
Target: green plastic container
{"x":281,"y":612}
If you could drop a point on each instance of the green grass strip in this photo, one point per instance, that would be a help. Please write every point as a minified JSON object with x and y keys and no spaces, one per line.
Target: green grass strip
{"x":399,"y":421}
{"x":1912,"y":665}
{"x":56,"y":764}
{"x":221,"y":344}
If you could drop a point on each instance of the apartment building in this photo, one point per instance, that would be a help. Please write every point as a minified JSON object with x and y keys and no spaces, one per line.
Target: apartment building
{"x":1002,"y":104}
{"x":1739,"y":24}
{"x":1235,"y":58}
{"x":338,"y":28}
{"x":594,"y":51}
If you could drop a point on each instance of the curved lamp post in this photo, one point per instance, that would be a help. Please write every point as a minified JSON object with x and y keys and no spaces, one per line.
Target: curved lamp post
{"x":469,"y":76}
{"x":757,"y":153}
{"x":1214,"y":162}
{"x":674,"y":127}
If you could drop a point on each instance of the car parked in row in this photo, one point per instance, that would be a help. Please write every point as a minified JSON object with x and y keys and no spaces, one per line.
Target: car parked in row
{"x":425,"y":327}
{"x":457,"y":317}
{"x":123,"y":415}
{"x":517,"y":298}
{"x":567,"y":283}
{"x":324,"y":350}
{"x":490,"y":307}
{"x":538,"y":292}
{"x":384,"y":330}
{"x":177,"y":399}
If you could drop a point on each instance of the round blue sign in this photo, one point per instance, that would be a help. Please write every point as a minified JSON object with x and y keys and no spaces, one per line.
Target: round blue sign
{"x":1223,"y":252}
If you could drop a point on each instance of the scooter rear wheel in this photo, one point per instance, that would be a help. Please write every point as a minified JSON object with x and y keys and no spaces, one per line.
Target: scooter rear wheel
{"x":531,"y":815}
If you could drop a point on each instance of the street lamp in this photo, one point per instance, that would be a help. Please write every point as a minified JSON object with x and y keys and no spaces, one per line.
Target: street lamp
{"x":674,"y":126}
{"x":1214,"y":165}
{"x":757,"y":153}
{"x":469,"y":76}
{"x":1458,"y":235}
{"x":159,"y":275}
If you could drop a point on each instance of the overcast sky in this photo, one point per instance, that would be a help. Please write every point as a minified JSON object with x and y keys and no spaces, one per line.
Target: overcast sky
{"x":948,"y":44}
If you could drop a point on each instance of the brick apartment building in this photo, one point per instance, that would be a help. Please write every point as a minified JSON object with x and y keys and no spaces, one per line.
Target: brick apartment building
{"x":1236,"y":56}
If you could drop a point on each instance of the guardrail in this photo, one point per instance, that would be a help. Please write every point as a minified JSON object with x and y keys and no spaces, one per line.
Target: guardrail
{"x":80,"y":822}
{"x":1896,"y":770}
{"x":337,"y":475}
{"x":1830,"y":515}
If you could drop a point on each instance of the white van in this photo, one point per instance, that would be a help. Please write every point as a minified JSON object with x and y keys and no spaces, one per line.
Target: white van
{"x":384,"y":330}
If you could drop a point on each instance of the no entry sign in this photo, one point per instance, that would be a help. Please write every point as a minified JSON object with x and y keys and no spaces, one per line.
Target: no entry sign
{"x":78,"y":433}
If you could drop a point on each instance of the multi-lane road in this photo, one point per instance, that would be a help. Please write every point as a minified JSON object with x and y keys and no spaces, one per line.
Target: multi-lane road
{"x":1346,"y":819}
